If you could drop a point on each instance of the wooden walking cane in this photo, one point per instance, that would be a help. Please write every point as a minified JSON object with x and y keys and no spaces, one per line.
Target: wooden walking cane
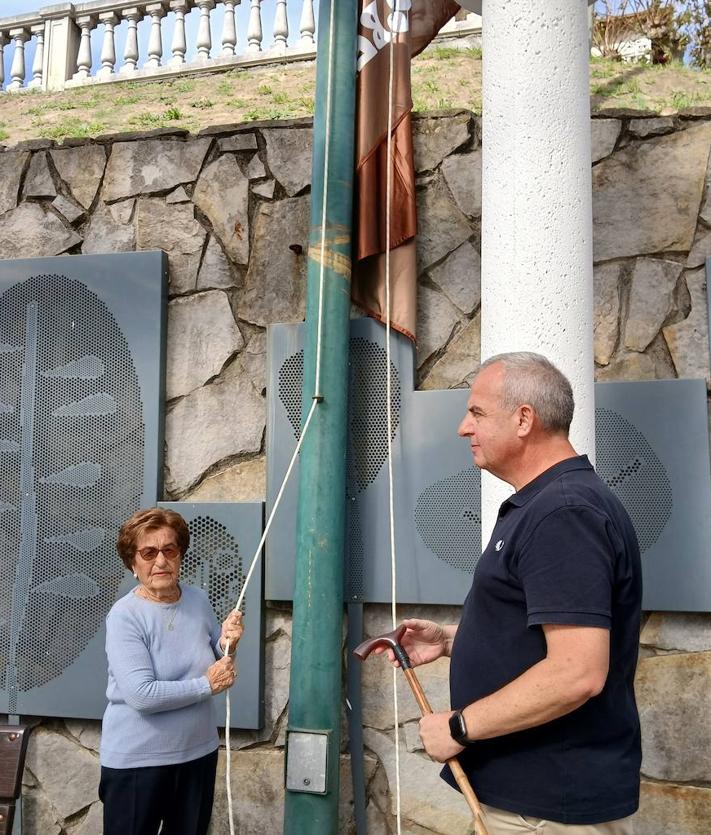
{"x":391,"y":640}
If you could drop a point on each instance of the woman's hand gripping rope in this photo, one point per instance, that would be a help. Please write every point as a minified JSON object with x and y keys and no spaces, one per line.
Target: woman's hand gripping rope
{"x":232,"y":629}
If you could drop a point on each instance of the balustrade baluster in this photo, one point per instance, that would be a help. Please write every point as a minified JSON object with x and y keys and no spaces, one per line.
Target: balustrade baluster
{"x":307,"y":24}
{"x":155,"y":42}
{"x":17,"y":70}
{"x":204,"y":36}
{"x":281,"y":27}
{"x":3,"y":42}
{"x":229,"y":30}
{"x":38,"y":31}
{"x":108,"y":46}
{"x":254,"y":30}
{"x":178,"y":45}
{"x":130,"y":50}
{"x":85,"y":23}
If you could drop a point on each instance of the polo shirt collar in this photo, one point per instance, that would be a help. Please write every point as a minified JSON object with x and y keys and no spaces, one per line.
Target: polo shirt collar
{"x":528,"y":491}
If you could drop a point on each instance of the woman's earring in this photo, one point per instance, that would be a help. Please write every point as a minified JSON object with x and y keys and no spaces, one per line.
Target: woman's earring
{"x":135,"y":574}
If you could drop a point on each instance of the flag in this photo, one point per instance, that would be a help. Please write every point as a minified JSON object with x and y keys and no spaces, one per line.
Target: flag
{"x":411,"y":25}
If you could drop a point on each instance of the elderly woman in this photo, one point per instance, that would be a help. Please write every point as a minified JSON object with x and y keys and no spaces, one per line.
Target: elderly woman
{"x":166,"y":654}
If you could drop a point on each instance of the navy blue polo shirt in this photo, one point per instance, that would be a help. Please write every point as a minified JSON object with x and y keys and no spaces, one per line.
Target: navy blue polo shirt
{"x":563,"y":551}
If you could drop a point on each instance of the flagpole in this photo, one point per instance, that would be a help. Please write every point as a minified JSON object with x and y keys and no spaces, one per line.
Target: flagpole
{"x":315,"y":690}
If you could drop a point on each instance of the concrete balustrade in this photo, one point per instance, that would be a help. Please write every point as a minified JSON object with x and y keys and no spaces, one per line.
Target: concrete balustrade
{"x":73,"y":44}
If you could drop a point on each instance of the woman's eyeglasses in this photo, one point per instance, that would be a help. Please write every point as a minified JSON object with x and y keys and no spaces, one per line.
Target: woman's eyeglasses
{"x":170,"y":552}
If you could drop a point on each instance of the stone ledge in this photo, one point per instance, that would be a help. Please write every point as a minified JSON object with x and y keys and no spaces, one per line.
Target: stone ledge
{"x":442,"y":114}
{"x":135,"y":135}
{"x":697,"y":112}
{"x":34,"y":145}
{"x":216,"y":130}
{"x":623,"y":113}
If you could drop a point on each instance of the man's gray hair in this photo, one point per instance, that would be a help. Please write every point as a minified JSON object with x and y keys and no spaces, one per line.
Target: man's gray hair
{"x":533,"y":379}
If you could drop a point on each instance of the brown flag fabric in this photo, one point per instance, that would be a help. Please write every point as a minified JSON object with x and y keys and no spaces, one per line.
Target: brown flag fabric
{"x":412,"y":24}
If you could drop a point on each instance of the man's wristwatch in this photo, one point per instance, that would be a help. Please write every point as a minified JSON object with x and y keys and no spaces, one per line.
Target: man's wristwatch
{"x":458,"y":728}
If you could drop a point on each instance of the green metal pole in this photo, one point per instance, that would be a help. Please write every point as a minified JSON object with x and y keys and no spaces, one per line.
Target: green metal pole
{"x":315,"y":697}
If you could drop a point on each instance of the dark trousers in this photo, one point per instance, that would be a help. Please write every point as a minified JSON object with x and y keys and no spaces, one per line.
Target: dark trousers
{"x":137,"y":800}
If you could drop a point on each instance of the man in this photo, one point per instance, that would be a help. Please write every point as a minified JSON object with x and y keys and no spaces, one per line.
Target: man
{"x":543,"y":659}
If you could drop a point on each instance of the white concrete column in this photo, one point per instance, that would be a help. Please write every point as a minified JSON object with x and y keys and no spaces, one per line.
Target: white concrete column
{"x":229,"y":29}
{"x":536,"y":259}
{"x":204,"y":35}
{"x":130,"y":51}
{"x":38,"y":61}
{"x":61,"y":44}
{"x":17,"y":69}
{"x":155,"y":41}
{"x":307,"y":24}
{"x":3,"y":43}
{"x":86,"y":23}
{"x":254,"y":28}
{"x":108,"y":46}
{"x":280,"y":30}
{"x":178,"y":45}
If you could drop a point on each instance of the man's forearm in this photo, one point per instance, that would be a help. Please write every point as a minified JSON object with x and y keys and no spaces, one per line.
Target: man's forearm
{"x":545,"y":692}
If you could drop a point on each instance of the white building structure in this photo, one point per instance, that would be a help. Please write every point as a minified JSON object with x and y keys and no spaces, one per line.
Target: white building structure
{"x":74,"y":44}
{"x":536,"y":237}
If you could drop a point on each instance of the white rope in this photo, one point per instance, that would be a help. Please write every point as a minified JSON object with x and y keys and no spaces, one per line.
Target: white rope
{"x":326,"y":156}
{"x":388,"y":390}
{"x":242,"y":593}
{"x":317,"y":398}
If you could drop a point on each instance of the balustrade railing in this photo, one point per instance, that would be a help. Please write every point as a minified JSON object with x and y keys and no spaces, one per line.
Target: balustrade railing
{"x":73,"y":44}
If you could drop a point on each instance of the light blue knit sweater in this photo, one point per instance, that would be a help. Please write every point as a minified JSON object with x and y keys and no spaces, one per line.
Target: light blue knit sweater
{"x":160,"y":709}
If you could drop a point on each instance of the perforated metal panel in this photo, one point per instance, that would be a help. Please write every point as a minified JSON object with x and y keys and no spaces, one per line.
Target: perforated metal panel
{"x":81,"y":369}
{"x":223,"y":539}
{"x":652,"y":449}
{"x":631,"y":468}
{"x":448,"y":518}
{"x":367,"y":438}
{"x":428,"y":562}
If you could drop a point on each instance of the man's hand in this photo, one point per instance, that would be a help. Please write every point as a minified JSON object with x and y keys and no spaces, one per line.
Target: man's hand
{"x":435,"y":736}
{"x":424,"y":641}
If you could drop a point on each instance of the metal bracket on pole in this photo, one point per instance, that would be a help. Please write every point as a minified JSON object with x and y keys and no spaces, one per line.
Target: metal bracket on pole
{"x":307,"y":761}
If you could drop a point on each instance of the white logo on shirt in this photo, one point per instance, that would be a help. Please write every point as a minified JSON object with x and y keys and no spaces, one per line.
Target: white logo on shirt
{"x":499,"y":545}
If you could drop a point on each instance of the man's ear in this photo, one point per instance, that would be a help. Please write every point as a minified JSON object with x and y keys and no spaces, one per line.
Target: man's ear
{"x":524,"y":416}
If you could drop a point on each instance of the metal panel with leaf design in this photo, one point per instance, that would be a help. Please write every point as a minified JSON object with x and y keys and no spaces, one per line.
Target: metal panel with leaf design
{"x":223,"y":540}
{"x":81,"y":391}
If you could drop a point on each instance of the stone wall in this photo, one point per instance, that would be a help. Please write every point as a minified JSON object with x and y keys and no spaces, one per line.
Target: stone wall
{"x":231,"y":209}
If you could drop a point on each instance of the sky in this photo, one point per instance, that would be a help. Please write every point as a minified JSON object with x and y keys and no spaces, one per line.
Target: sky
{"x":11,"y":7}
{"x":14,"y":7}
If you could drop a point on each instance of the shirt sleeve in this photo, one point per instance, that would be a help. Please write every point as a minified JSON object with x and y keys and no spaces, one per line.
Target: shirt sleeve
{"x":132,"y":668}
{"x":566,"y":569}
{"x":215,"y":628}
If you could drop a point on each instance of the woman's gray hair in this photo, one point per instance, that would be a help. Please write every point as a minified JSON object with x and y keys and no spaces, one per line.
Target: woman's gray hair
{"x":531,"y":378}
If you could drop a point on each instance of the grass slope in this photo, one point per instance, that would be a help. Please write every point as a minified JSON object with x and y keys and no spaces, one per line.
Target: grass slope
{"x":442,"y":78}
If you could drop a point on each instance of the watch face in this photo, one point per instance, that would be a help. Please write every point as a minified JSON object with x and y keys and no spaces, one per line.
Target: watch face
{"x":458,"y":728}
